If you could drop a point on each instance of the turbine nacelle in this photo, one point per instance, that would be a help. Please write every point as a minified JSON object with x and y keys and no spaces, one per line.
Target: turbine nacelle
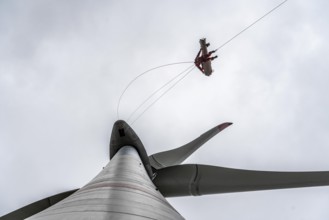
{"x":123,"y":135}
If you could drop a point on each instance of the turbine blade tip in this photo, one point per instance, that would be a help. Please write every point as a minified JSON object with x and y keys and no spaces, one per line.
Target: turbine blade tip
{"x":224,"y":125}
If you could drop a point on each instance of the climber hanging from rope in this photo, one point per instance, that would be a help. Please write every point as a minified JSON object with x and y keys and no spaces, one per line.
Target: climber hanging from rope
{"x":203,"y":58}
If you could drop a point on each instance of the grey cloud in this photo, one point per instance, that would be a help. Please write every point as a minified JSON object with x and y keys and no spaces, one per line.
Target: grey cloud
{"x":64,"y":65}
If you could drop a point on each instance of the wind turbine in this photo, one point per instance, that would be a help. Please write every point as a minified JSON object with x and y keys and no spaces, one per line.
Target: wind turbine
{"x":134,"y":185}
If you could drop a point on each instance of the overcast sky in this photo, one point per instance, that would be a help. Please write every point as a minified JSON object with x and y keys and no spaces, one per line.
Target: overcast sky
{"x":64,"y":65}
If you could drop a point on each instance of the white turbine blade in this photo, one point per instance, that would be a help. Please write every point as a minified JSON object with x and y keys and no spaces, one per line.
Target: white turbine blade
{"x":194,"y":179}
{"x":37,"y":206}
{"x":178,"y":155}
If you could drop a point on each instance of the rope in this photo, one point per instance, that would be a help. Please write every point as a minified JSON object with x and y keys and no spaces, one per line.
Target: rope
{"x":162,"y":95}
{"x":154,"y":68}
{"x":252,"y":24}
{"x":155,"y":92}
